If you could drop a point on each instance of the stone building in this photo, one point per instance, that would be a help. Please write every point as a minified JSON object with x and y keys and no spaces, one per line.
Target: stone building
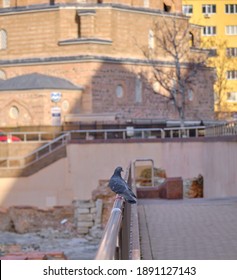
{"x":94,"y":47}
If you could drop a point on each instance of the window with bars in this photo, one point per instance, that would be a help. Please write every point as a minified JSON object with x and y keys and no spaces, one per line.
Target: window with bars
{"x":232,"y":75}
{"x":231,"y":8}
{"x":209,"y":30}
{"x":208,"y":9}
{"x":231,"y":52}
{"x":3,"y":39}
{"x":231,"y":29}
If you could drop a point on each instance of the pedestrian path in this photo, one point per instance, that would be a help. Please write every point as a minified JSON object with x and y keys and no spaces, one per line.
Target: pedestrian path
{"x":197,"y":229}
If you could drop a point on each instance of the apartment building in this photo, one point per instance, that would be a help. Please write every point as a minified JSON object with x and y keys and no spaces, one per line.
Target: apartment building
{"x":82,"y":60}
{"x":218,"y":19}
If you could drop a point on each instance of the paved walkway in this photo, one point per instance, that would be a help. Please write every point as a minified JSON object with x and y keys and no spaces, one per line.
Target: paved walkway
{"x":188,"y":229}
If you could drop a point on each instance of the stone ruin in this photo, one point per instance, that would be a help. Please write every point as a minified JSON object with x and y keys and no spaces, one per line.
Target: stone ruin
{"x":177,"y":187}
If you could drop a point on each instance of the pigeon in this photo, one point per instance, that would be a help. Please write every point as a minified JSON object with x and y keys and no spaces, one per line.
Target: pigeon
{"x":120,"y":187}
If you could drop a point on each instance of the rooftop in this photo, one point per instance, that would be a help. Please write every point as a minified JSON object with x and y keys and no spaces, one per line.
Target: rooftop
{"x":36,"y":81}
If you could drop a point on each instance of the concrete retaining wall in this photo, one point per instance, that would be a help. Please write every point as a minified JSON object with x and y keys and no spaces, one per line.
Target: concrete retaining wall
{"x":77,"y":175}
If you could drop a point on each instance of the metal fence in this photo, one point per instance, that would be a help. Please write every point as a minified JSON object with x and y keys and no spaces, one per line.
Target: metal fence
{"x":106,"y":134}
{"x":226,"y":129}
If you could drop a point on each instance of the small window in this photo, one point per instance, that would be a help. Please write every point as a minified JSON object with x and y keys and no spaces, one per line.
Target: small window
{"x":187,"y":9}
{"x":209,"y":30}
{"x":14,"y":112}
{"x":232,"y":96}
{"x":119,"y":91}
{"x":3,"y":39}
{"x":138,"y":90}
{"x":231,"y":29}
{"x":167,"y":8}
{"x":6,"y":3}
{"x":231,"y":8}
{"x":146,"y":3}
{"x":2,"y":75}
{"x":231,"y":52}
{"x":208,"y":9}
{"x":232,"y":75}
{"x":212,"y":52}
{"x":151,"y":41}
{"x":190,"y":95}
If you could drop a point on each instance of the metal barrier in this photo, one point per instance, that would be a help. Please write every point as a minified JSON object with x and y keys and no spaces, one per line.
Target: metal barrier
{"x":43,"y":151}
{"x":227,"y":129}
{"x":106,"y":134}
{"x":121,"y":239}
{"x":35,"y":136}
{"x":100,"y":134}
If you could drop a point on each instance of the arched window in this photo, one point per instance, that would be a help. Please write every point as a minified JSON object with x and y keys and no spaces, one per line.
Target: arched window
{"x":3,"y":39}
{"x":138,"y":90}
{"x":151,"y":40}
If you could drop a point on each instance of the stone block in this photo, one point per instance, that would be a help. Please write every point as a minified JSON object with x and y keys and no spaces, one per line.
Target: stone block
{"x":83,"y":210}
{"x":84,"y":218}
{"x":84,"y":224}
{"x":83,"y":230}
{"x":148,"y":192}
{"x":99,"y":209}
{"x":172,"y":188}
{"x":93,"y":210}
{"x":6,"y":223}
{"x":83,"y":203}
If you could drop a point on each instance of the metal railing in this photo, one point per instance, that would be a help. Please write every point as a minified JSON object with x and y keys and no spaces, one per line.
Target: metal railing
{"x":226,"y":129}
{"x":34,"y":136}
{"x":120,"y":239}
{"x":41,"y":152}
{"x":106,"y":134}
{"x":138,"y":133}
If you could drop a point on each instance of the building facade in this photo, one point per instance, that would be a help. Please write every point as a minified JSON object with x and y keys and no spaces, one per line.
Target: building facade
{"x":219,"y":32}
{"x":96,"y":46}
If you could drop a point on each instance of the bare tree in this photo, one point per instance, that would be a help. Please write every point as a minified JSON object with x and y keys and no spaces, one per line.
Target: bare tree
{"x":174,"y":66}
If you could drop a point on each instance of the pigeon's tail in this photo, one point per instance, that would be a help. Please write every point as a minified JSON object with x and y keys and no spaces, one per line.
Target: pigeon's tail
{"x":132,"y":200}
{"x":129,"y":197}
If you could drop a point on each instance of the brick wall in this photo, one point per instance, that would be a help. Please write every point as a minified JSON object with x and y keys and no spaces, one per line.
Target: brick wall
{"x":100,"y":81}
{"x":50,"y":42}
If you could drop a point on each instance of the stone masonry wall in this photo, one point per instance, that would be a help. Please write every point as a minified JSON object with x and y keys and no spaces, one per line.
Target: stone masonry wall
{"x":83,"y":217}
{"x":101,"y":81}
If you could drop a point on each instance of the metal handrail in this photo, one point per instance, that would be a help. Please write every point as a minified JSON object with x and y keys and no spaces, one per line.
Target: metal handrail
{"x":123,"y":133}
{"x":108,"y":244}
{"x":116,"y":242}
{"x":34,"y":136}
{"x":129,"y":132}
{"x":24,"y":161}
{"x":226,"y":129}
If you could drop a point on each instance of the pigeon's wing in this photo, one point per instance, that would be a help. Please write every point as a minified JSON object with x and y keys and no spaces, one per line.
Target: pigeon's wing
{"x":117,"y":185}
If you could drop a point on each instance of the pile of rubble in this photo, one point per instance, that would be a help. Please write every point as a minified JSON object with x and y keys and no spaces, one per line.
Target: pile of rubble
{"x":61,"y":232}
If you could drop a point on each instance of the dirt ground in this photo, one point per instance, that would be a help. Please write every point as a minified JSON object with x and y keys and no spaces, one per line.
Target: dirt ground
{"x":74,"y":247}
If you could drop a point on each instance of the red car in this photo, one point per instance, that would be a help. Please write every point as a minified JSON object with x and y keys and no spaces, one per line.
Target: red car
{"x":5,"y":137}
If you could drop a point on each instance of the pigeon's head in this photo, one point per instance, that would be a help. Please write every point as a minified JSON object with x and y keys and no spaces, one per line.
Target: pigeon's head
{"x":118,"y":170}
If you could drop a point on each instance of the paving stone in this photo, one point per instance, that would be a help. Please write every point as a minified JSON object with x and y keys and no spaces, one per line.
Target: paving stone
{"x":188,"y":229}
